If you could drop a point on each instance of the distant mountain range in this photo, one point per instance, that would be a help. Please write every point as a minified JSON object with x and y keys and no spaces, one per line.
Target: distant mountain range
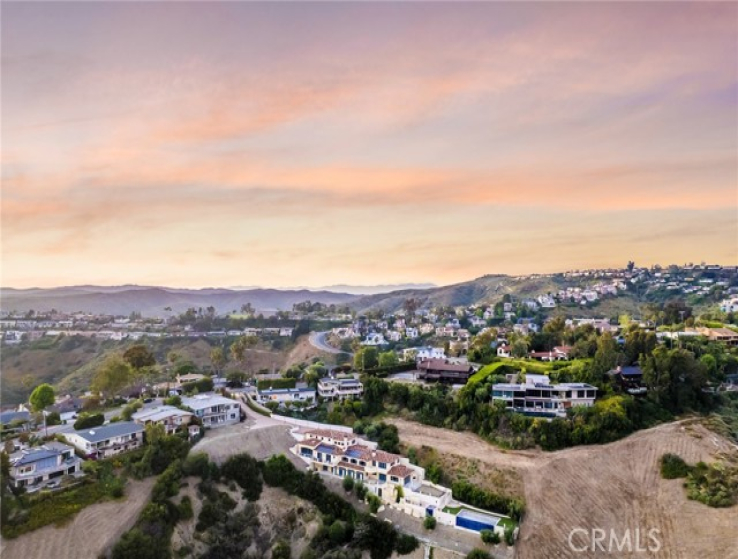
{"x":151,"y":301}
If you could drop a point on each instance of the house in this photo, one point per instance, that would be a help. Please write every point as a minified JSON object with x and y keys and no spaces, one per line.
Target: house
{"x":342,"y":454}
{"x":16,"y":421}
{"x":170,"y":417}
{"x":391,"y":477}
{"x":284,"y":395}
{"x":213,"y":410}
{"x":504,"y":351}
{"x":427,"y":352}
{"x":190,"y":377}
{"x":729,"y":305}
{"x":546,"y":302}
{"x":537,"y":396}
{"x":285,"y":332}
{"x":722,"y":335}
{"x":629,"y":379}
{"x":411,"y":333}
{"x":558,"y":353}
{"x":374,"y":340}
{"x":107,"y":440}
{"x":332,"y":389}
{"x":444,"y":371}
{"x":394,"y":336}
{"x":33,"y":467}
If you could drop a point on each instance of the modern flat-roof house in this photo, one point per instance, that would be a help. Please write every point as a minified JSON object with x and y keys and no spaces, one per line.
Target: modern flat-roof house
{"x":107,"y":440}
{"x":537,"y":396}
{"x":169,"y":417}
{"x":214,"y":410}
{"x":444,"y":371}
{"x":332,"y":389}
{"x":283,"y":395}
{"x":33,"y":467}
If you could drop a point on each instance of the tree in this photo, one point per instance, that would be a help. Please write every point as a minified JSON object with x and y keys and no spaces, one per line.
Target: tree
{"x":139,"y":356}
{"x":605,"y":357}
{"x":87,"y":421}
{"x":112,"y":376}
{"x":239,"y":347}
{"x":366,"y":358}
{"x":519,"y":349}
{"x":42,"y":397}
{"x":388,"y":359}
{"x":429,"y":523}
{"x":217,"y":358}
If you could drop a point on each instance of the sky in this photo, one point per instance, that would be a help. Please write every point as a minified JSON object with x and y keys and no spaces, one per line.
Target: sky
{"x":280,"y":144}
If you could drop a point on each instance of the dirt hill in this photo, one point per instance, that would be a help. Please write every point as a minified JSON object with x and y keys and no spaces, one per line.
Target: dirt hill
{"x":610,"y":487}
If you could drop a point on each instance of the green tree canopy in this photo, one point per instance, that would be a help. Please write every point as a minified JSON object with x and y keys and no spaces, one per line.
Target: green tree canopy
{"x":112,"y":376}
{"x":42,"y":397}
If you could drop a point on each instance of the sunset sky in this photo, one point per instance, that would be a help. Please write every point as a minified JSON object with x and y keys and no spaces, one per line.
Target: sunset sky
{"x":224,"y":144}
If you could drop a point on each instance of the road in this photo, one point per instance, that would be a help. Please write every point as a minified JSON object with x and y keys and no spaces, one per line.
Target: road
{"x":318,"y":341}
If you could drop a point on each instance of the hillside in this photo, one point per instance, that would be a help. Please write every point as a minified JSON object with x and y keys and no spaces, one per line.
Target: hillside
{"x":151,"y":301}
{"x":490,"y":289}
{"x":616,"y":486}
{"x":69,"y":363}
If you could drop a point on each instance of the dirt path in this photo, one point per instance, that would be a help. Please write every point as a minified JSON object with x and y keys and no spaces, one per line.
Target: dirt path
{"x":611,"y":487}
{"x":89,"y":534}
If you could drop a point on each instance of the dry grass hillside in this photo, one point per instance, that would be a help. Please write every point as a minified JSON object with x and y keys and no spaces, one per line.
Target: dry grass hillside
{"x":70,"y":363}
{"x":93,"y":531}
{"x":611,"y":487}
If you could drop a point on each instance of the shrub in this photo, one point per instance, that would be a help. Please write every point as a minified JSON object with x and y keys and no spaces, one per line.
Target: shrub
{"x":185,"y":508}
{"x":429,"y":523}
{"x":53,"y":418}
{"x":466,"y":492}
{"x":197,"y":464}
{"x":509,"y":535}
{"x":360,"y":490}
{"x":281,"y":551}
{"x":244,"y":470}
{"x":478,"y":554}
{"x":673,"y":467}
{"x":374,"y":502}
{"x":406,"y":544}
{"x":348,"y":484}
{"x":87,"y":421}
{"x":489,"y":536}
{"x":337,"y":532}
{"x":276,"y":383}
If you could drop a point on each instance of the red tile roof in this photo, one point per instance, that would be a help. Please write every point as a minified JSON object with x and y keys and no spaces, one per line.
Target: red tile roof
{"x":400,"y":471}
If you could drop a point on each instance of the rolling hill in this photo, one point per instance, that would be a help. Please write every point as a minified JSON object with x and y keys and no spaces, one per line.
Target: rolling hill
{"x":151,"y":301}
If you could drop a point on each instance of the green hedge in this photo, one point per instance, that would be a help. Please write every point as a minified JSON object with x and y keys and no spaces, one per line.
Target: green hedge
{"x":466,"y":492}
{"x":276,"y":383}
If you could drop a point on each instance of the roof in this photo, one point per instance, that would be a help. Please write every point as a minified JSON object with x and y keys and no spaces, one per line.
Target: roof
{"x":207,"y":400}
{"x":443,"y":365}
{"x":97,"y":434}
{"x":400,"y":471}
{"x":286,"y":390}
{"x":31,"y":455}
{"x":9,"y":416}
{"x":330,"y":433}
{"x":158,"y":413}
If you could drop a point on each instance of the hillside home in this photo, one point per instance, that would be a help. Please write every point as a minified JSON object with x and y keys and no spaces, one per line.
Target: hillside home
{"x":374,"y":340}
{"x":33,"y":467}
{"x":339,"y":389}
{"x":107,"y":440}
{"x":213,"y":410}
{"x":169,"y":417}
{"x":16,"y":421}
{"x":537,"y":396}
{"x":284,"y":395}
{"x":442,"y":370}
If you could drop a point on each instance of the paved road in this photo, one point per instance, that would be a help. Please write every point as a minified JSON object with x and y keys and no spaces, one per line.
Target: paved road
{"x":318,"y":341}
